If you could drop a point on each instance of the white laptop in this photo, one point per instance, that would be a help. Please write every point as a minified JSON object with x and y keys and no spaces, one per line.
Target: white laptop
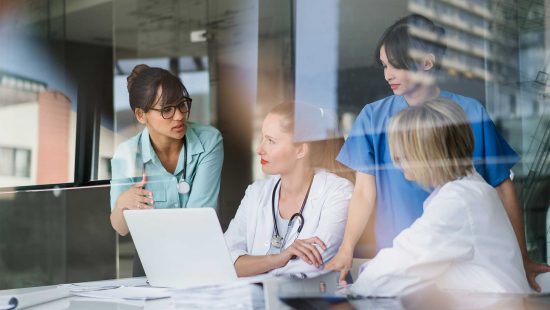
{"x":181,"y":248}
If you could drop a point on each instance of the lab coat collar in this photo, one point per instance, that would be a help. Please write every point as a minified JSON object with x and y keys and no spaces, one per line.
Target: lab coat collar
{"x":319,"y":181}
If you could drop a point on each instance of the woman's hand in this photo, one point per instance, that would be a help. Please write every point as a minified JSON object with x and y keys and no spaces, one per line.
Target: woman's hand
{"x":341,"y":262}
{"x":532,"y":270}
{"x":136,"y":197}
{"x":306,"y":250}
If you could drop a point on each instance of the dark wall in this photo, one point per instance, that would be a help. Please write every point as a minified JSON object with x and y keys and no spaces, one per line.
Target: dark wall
{"x":50,"y":237}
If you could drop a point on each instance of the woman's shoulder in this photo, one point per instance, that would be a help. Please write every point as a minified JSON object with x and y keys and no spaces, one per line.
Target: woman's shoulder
{"x":468,"y":104}
{"x":262,"y":187}
{"x":204,"y":131}
{"x":128,"y":147}
{"x":333,"y":182}
{"x":208,"y":136}
{"x":470,"y":190}
{"x":381,"y":105}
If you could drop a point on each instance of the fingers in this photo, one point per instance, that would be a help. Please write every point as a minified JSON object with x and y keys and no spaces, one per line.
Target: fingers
{"x":141,"y":183}
{"x":145,"y":200}
{"x":141,"y":205}
{"x":314,"y":252}
{"x":533,"y":284}
{"x":302,"y":255}
{"x":542,"y":268}
{"x":342,"y":277}
{"x":317,"y":241}
{"x":143,"y":192}
{"x":533,"y":269}
{"x":307,"y":252}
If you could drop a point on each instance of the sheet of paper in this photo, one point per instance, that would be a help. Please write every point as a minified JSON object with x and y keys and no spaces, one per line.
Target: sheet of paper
{"x":239,"y":295}
{"x":127,"y":293}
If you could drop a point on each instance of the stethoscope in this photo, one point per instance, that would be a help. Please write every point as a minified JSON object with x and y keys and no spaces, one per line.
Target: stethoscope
{"x":276,"y":240}
{"x":183,"y":186}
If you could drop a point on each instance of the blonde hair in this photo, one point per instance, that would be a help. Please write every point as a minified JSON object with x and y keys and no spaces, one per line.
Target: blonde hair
{"x":433,"y":142}
{"x":322,"y":153}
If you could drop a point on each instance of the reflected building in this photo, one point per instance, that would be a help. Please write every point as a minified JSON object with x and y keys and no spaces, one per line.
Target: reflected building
{"x":37,"y":151}
{"x":501,"y":46}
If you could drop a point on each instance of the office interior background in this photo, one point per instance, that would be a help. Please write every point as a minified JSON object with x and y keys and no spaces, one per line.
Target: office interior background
{"x":64,"y":104}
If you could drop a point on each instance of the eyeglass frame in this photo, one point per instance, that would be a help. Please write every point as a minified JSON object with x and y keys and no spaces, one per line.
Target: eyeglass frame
{"x":185,"y":102}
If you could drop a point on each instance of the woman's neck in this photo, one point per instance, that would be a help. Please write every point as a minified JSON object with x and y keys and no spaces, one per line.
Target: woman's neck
{"x":165,"y":147}
{"x":296,"y":183}
{"x":421,"y":94}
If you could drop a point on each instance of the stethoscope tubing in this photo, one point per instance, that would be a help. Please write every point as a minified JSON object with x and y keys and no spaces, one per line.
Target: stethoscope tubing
{"x":184,"y":172}
{"x":295,"y":216}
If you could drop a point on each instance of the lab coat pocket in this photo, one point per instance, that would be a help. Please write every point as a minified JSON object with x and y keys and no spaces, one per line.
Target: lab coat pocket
{"x":159,"y":196}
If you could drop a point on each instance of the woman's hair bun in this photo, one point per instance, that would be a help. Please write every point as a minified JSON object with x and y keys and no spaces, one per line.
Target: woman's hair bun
{"x":135,"y":73}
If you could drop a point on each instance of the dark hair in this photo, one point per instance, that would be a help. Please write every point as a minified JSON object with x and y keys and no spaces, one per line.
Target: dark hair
{"x":322,"y":152}
{"x":398,"y":41}
{"x":144,"y":82}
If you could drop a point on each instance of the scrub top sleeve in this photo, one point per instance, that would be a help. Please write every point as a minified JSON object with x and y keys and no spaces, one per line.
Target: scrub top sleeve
{"x":206,"y":184}
{"x":499,"y":157}
{"x":236,"y":234}
{"x":330,"y":229}
{"x":420,"y":253}
{"x":120,"y":182}
{"x":357,"y":152}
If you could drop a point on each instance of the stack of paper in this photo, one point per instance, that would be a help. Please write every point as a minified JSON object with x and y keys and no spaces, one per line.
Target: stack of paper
{"x":127,"y":293}
{"x":111,"y":290}
{"x":236,"y":295}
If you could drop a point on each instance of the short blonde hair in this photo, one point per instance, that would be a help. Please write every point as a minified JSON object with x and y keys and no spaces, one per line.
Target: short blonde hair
{"x":433,"y":142}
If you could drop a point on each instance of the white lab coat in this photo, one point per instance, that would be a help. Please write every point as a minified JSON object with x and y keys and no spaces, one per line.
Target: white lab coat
{"x":464,"y":240}
{"x":325,"y":215}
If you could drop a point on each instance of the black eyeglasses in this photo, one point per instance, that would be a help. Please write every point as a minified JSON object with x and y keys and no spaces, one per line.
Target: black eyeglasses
{"x":169,"y":111}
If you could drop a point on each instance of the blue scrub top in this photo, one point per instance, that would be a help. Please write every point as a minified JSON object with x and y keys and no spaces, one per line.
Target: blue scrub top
{"x":204,"y":165}
{"x":399,"y":201}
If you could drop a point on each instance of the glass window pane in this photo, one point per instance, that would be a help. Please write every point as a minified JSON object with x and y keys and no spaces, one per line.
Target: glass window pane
{"x":6,"y":160}
{"x":22,"y":163}
{"x":37,"y":97}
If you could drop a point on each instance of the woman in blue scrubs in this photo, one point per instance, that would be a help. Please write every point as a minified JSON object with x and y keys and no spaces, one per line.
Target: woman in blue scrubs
{"x":408,"y":63}
{"x":172,"y":162}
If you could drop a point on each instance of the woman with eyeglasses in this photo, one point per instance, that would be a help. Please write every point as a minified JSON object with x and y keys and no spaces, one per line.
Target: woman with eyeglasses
{"x":172,"y":162}
{"x":292,"y":222}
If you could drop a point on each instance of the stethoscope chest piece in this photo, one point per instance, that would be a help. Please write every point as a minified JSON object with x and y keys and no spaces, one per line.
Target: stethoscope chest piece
{"x":277,"y":241}
{"x":183,"y":187}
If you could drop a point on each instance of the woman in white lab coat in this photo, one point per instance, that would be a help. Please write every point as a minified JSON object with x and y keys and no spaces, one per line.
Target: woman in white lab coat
{"x":464,"y":239}
{"x":292,"y":222}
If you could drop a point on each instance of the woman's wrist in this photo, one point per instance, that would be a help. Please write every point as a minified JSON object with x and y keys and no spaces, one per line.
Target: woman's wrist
{"x":347,"y":249}
{"x":281,"y":259}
